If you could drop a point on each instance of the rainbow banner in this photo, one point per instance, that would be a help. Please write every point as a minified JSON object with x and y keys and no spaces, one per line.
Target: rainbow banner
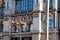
{"x":14,"y":21}
{"x":22,"y":21}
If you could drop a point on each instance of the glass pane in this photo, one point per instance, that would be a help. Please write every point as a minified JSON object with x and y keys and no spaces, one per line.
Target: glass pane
{"x":51,"y":3}
{"x":24,"y":5}
{"x":50,"y":21}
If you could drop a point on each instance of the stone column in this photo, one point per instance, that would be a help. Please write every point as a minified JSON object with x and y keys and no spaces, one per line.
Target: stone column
{"x":36,"y":37}
{"x":56,"y":14}
{"x":56,"y":19}
{"x":37,"y":20}
{"x":7,"y":25}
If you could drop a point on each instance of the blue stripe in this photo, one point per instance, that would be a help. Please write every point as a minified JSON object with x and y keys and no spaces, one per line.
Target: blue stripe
{"x":50,"y":21}
{"x":51,"y":3}
{"x":24,"y":5}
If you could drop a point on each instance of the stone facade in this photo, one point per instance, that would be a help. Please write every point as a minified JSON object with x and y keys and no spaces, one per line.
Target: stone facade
{"x":38,"y":29}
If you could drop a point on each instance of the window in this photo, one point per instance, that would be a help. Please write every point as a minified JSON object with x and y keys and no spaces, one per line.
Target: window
{"x":50,"y":21}
{"x":3,"y":9}
{"x":1,"y":26}
{"x":23,"y":5}
{"x":51,"y":3}
{"x":15,"y":38}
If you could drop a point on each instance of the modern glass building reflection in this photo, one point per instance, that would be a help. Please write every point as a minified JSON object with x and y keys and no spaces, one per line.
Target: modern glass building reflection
{"x":51,"y":3}
{"x":21,"y":5}
{"x":50,"y":22}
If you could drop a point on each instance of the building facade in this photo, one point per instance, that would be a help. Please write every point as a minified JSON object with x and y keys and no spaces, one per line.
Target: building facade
{"x":26,"y":20}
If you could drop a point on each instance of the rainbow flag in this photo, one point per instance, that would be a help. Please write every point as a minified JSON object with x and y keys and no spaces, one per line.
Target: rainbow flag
{"x":22,"y":21}
{"x":14,"y":21}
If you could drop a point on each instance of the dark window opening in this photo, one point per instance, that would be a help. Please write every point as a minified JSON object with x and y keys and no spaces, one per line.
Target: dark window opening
{"x":22,"y":38}
{"x":1,"y":27}
{"x":15,"y":38}
{"x":26,"y":38}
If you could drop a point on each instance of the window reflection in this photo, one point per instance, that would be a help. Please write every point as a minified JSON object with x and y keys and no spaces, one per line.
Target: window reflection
{"x":50,"y":21}
{"x":51,"y":3}
{"x":24,"y":5}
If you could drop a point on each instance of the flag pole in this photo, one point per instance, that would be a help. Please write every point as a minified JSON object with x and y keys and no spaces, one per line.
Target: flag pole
{"x":47,"y":17}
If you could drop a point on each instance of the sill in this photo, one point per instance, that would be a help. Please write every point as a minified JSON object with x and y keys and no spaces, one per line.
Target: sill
{"x":52,"y":29}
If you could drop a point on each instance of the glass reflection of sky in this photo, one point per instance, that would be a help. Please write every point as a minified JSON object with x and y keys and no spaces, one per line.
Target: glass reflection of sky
{"x":50,"y":21}
{"x":51,"y":3}
{"x":24,"y":5}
